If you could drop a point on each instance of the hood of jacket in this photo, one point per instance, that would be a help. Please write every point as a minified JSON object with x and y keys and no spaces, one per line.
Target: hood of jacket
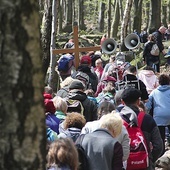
{"x":129,"y":113}
{"x":147,"y":73}
{"x":84,"y":69}
{"x":72,"y":133}
{"x":77,"y":95}
{"x":163,"y":88}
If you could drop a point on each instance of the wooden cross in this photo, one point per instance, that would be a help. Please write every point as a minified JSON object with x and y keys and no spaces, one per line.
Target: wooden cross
{"x":76,"y":50}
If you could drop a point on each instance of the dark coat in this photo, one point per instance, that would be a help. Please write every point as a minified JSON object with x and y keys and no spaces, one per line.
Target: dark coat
{"x":132,"y":81}
{"x":159,"y":37}
{"x":147,"y":56}
{"x":90,"y":108}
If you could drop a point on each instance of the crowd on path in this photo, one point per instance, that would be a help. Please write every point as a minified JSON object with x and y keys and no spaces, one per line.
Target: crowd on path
{"x":108,"y":116}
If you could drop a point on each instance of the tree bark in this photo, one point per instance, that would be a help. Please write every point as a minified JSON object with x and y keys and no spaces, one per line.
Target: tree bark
{"x":101,"y":16}
{"x":164,"y":14}
{"x":81,"y":15}
{"x":155,"y":21}
{"x":109,"y":18}
{"x":137,"y":15}
{"x":69,"y":15}
{"x":53,"y":76}
{"x":125,"y":22}
{"x":22,"y":127}
{"x":46,"y":34}
{"x":116,"y":20}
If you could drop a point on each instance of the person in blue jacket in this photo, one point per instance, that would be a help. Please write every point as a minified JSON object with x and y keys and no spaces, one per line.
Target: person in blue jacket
{"x":159,"y":101}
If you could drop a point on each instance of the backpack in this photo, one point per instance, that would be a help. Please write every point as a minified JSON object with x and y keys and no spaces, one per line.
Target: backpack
{"x":155,"y":50}
{"x":105,"y":98}
{"x":83,"y":160}
{"x":84,"y":78}
{"x":138,"y":157}
{"x":63,"y":64}
{"x":75,"y":106}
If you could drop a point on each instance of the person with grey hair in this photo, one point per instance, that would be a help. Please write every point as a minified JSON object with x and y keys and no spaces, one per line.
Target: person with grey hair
{"x":103,"y":150}
{"x":106,"y":108}
{"x":64,"y":87}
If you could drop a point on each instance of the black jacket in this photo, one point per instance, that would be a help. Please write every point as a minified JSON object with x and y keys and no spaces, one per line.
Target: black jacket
{"x":132,"y":81}
{"x":90,"y":108}
{"x":159,"y":37}
{"x":147,"y":57}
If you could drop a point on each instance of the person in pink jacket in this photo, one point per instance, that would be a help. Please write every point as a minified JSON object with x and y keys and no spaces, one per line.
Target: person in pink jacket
{"x":149,"y":78}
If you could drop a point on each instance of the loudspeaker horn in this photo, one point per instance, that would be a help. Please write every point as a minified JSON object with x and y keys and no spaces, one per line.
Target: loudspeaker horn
{"x":132,"y":41}
{"x":109,"y":46}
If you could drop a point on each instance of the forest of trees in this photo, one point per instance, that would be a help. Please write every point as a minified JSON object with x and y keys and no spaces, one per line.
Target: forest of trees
{"x":26,"y":28}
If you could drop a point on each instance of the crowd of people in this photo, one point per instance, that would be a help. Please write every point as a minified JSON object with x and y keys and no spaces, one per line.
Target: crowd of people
{"x":98,"y":107}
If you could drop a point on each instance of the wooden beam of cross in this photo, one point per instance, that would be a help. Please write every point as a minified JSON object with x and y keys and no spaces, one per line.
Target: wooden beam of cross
{"x":76,"y":50}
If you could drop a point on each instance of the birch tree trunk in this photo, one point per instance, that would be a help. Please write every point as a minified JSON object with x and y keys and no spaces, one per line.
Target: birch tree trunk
{"x":125,"y":22}
{"x":46,"y":34}
{"x":22,"y":127}
{"x":53,"y":76}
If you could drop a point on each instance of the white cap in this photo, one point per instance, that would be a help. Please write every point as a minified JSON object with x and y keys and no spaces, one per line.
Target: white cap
{"x":98,"y":53}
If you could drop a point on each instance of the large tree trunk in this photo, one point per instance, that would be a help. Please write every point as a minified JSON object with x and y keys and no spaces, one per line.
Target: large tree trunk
{"x":116,"y":20}
{"x":120,"y":9}
{"x":101,"y":16}
{"x":168,"y":12}
{"x":109,"y":18}
{"x":124,"y":26}
{"x":146,"y":14}
{"x":155,"y":21}
{"x":137,"y":15}
{"x":53,"y":76}
{"x":69,"y":15}
{"x":46,"y":34}
{"x":22,"y":127}
{"x":81,"y":15}
{"x":61,"y":8}
{"x":164,"y":14}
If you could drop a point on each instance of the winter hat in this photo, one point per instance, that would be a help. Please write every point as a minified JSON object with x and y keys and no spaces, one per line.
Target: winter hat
{"x":47,"y":96}
{"x":85,"y":60}
{"x":98,"y":53}
{"x":76,"y":84}
{"x":49,"y":106}
{"x":130,"y":95}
